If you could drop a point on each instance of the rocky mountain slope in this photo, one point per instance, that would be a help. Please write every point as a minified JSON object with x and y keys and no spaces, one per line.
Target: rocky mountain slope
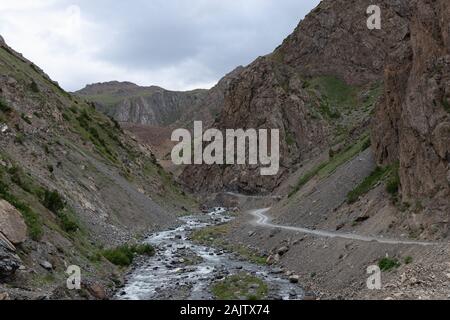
{"x":318,"y":88}
{"x":397,"y":189}
{"x":71,"y":184}
{"x":411,"y":125}
{"x":154,"y":106}
{"x":127,"y":102}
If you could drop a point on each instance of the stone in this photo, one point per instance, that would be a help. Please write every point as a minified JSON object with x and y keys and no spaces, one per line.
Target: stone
{"x":9,"y":261}
{"x":46,"y":265}
{"x":98,"y":291}
{"x":294,"y":279}
{"x":12,"y":225}
{"x":281,"y":251}
{"x":4,"y":296}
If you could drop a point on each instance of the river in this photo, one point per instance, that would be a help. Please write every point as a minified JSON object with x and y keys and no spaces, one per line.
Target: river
{"x":181,"y":269}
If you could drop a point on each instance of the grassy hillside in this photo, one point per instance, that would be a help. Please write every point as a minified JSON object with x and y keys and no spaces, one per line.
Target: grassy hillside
{"x":80,"y":183}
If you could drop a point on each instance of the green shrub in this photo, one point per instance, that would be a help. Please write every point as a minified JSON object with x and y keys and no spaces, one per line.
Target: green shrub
{"x":393,"y":184}
{"x":68,"y":224}
{"x":408,"y":260}
{"x":144,"y":249}
{"x":20,"y":138}
{"x":53,"y":201}
{"x":34,"y":87}
{"x":446,"y":104}
{"x":123,"y":256}
{"x":4,"y":107}
{"x":387,"y":264}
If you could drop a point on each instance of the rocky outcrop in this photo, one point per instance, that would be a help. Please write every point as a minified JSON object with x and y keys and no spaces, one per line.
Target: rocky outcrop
{"x":412,"y":124}
{"x":280,"y":91}
{"x":127,"y":102}
{"x":9,"y":261}
{"x":12,"y":225}
{"x":154,"y":106}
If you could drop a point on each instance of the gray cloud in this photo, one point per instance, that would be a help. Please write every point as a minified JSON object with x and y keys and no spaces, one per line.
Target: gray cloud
{"x":177,"y":44}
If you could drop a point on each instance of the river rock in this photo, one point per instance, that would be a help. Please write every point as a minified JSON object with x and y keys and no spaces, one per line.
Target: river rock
{"x":46,"y":265}
{"x":9,"y":261}
{"x":98,"y":291}
{"x":281,"y":251}
{"x":12,"y":225}
{"x":294,"y":279}
{"x":4,"y":296}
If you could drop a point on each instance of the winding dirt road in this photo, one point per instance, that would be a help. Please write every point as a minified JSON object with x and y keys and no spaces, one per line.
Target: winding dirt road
{"x":263,"y":220}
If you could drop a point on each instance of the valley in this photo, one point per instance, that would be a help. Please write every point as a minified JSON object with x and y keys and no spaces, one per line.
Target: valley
{"x":88,"y":179}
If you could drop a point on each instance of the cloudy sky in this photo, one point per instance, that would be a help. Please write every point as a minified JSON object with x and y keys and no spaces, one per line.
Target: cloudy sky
{"x":176,"y":44}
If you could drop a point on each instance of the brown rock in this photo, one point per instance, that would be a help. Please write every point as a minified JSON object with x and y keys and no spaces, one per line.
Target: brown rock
{"x":98,"y":291}
{"x":4,"y":296}
{"x":412,"y":123}
{"x":294,"y":279}
{"x":12,"y":224}
{"x":281,"y":251}
{"x":273,"y":92}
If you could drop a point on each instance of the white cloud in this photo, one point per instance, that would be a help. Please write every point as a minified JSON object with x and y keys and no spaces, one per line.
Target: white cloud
{"x":175,"y":44}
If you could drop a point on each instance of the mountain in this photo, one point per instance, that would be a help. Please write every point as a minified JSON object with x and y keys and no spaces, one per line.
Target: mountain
{"x":155,"y":106}
{"x":411,"y":124}
{"x":127,"y":102}
{"x":318,"y":88}
{"x":72,"y":184}
{"x":380,"y":193}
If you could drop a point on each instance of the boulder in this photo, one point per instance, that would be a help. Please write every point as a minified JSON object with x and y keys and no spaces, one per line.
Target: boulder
{"x":4,"y":296}
{"x":9,"y":261}
{"x":98,"y":291}
{"x":46,"y":265}
{"x":294,"y":279}
{"x":281,"y":251}
{"x":12,"y":225}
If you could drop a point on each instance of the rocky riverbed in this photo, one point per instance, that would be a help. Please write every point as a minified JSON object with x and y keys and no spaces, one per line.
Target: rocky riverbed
{"x":182,"y":269}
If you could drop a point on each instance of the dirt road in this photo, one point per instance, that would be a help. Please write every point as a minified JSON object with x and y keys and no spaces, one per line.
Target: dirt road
{"x":263,"y":220}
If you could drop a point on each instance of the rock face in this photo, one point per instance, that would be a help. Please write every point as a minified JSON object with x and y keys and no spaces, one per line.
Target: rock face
{"x":155,"y":106}
{"x":9,"y":261}
{"x":12,"y":225}
{"x":412,"y":123}
{"x":127,"y":102}
{"x":285,"y":90}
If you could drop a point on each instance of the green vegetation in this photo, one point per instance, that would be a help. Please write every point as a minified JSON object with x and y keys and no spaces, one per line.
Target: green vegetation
{"x":4,"y":107}
{"x":53,"y":201}
{"x":387,"y":264}
{"x":326,"y":168}
{"x":446,"y":104}
{"x":34,"y":87}
{"x":393,"y":184}
{"x":408,"y":260}
{"x":290,"y":140}
{"x":32,"y":220}
{"x":19,"y":139}
{"x":215,"y":236}
{"x":376,"y":176}
{"x":334,"y":95}
{"x":123,"y":256}
{"x":240,"y":287}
